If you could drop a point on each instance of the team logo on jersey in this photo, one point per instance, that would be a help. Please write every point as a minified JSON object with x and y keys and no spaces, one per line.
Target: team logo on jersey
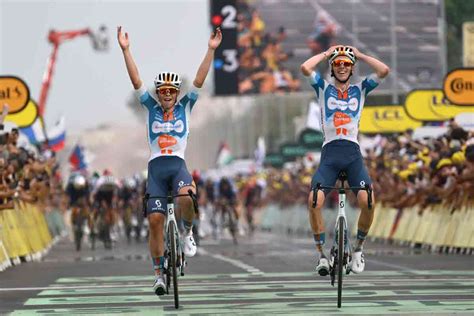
{"x":167,"y":127}
{"x":342,"y":105}
{"x":166,"y":141}
{"x":340,"y":119}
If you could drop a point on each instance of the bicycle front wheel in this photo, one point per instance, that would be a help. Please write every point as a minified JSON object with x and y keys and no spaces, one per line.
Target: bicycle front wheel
{"x":172,"y":238}
{"x":340,"y":259}
{"x":232,"y":223}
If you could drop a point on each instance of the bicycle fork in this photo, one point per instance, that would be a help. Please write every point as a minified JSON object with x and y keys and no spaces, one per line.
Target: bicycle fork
{"x":340,"y":220}
{"x":171,"y":220}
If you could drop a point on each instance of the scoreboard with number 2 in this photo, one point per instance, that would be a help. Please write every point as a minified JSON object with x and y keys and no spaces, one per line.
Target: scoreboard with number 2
{"x":226,"y":59}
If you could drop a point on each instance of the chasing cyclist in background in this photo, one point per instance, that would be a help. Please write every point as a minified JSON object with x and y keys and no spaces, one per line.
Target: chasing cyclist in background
{"x":168,"y":130}
{"x":105,"y":197}
{"x":341,"y":107}
{"x":227,"y":207}
{"x":78,"y":191}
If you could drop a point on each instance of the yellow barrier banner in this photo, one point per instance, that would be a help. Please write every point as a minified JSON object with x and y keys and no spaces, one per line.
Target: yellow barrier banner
{"x":41,"y":224}
{"x":436,"y":226}
{"x":4,"y":259}
{"x":23,"y":231}
{"x":14,"y":240}
{"x":431,"y":105}
{"x":386,"y":119}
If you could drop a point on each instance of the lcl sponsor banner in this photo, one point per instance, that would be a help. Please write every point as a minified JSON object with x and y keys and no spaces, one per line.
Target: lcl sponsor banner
{"x":386,"y":119}
{"x":459,"y":86}
{"x":431,"y":105}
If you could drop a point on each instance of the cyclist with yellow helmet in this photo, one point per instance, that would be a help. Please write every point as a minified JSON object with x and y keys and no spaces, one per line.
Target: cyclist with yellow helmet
{"x":168,"y":130}
{"x":341,"y":106}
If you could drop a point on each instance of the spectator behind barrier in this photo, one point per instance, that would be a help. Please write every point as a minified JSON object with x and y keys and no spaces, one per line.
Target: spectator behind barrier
{"x":261,"y":55}
{"x":406,"y":172}
{"x":23,"y":175}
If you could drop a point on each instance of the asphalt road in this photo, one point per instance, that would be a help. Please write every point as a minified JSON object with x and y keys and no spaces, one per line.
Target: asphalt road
{"x":267,"y":274}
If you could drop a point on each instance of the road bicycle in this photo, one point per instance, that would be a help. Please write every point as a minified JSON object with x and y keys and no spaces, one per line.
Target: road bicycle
{"x":229,"y":219}
{"x":174,"y":254}
{"x":341,"y":251}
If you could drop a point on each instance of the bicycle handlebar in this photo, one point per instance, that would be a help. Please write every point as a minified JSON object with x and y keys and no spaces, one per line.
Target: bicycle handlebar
{"x":190,"y":194}
{"x":321,"y":187}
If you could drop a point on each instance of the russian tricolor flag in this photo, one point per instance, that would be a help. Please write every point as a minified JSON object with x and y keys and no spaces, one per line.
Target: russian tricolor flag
{"x":77,"y":158}
{"x":56,"y":135}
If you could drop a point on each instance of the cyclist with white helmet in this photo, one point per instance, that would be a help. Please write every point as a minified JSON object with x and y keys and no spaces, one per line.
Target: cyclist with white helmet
{"x":78,"y":191}
{"x":168,"y":130}
{"x":104,"y":197}
{"x":341,"y":106}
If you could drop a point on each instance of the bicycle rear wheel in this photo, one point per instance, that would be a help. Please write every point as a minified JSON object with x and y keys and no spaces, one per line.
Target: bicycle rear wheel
{"x":340,"y":259}
{"x":174,"y":274}
{"x":232,"y":224}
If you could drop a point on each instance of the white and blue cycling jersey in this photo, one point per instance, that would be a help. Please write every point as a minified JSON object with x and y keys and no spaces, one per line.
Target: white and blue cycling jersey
{"x":341,"y":112}
{"x":167,"y":132}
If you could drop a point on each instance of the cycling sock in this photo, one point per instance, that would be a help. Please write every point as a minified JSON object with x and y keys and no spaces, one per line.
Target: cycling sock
{"x":158,"y":264}
{"x":188,"y":226}
{"x":361,"y":235}
{"x":320,"y":239}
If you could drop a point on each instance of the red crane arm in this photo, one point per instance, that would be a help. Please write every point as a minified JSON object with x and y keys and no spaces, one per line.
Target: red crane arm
{"x":55,"y":38}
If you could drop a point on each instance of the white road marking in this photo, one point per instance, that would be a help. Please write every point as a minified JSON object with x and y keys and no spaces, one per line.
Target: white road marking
{"x":235,"y":262}
{"x":211,"y":282}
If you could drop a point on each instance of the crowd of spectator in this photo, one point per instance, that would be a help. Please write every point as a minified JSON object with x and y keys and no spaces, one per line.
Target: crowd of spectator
{"x":27,"y":175}
{"x":406,"y":172}
{"x":261,"y":55}
{"x":322,"y":37}
{"x":423,"y":172}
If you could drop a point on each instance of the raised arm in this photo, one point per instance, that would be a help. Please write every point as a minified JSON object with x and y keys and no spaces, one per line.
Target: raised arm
{"x":379,"y":67}
{"x":309,"y":65}
{"x":214,"y":42}
{"x":131,"y":67}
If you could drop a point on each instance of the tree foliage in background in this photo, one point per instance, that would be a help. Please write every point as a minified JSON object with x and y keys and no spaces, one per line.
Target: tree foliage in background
{"x":457,"y":12}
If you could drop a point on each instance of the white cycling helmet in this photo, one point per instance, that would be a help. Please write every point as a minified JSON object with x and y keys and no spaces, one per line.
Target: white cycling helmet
{"x":170,"y":79}
{"x":130,"y":183}
{"x":343,"y":51}
{"x":79,"y":181}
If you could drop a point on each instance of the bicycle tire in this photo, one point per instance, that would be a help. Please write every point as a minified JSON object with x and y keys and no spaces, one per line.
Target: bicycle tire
{"x":340,"y":260}
{"x":232,"y":224}
{"x":78,"y":237}
{"x":172,"y":239}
